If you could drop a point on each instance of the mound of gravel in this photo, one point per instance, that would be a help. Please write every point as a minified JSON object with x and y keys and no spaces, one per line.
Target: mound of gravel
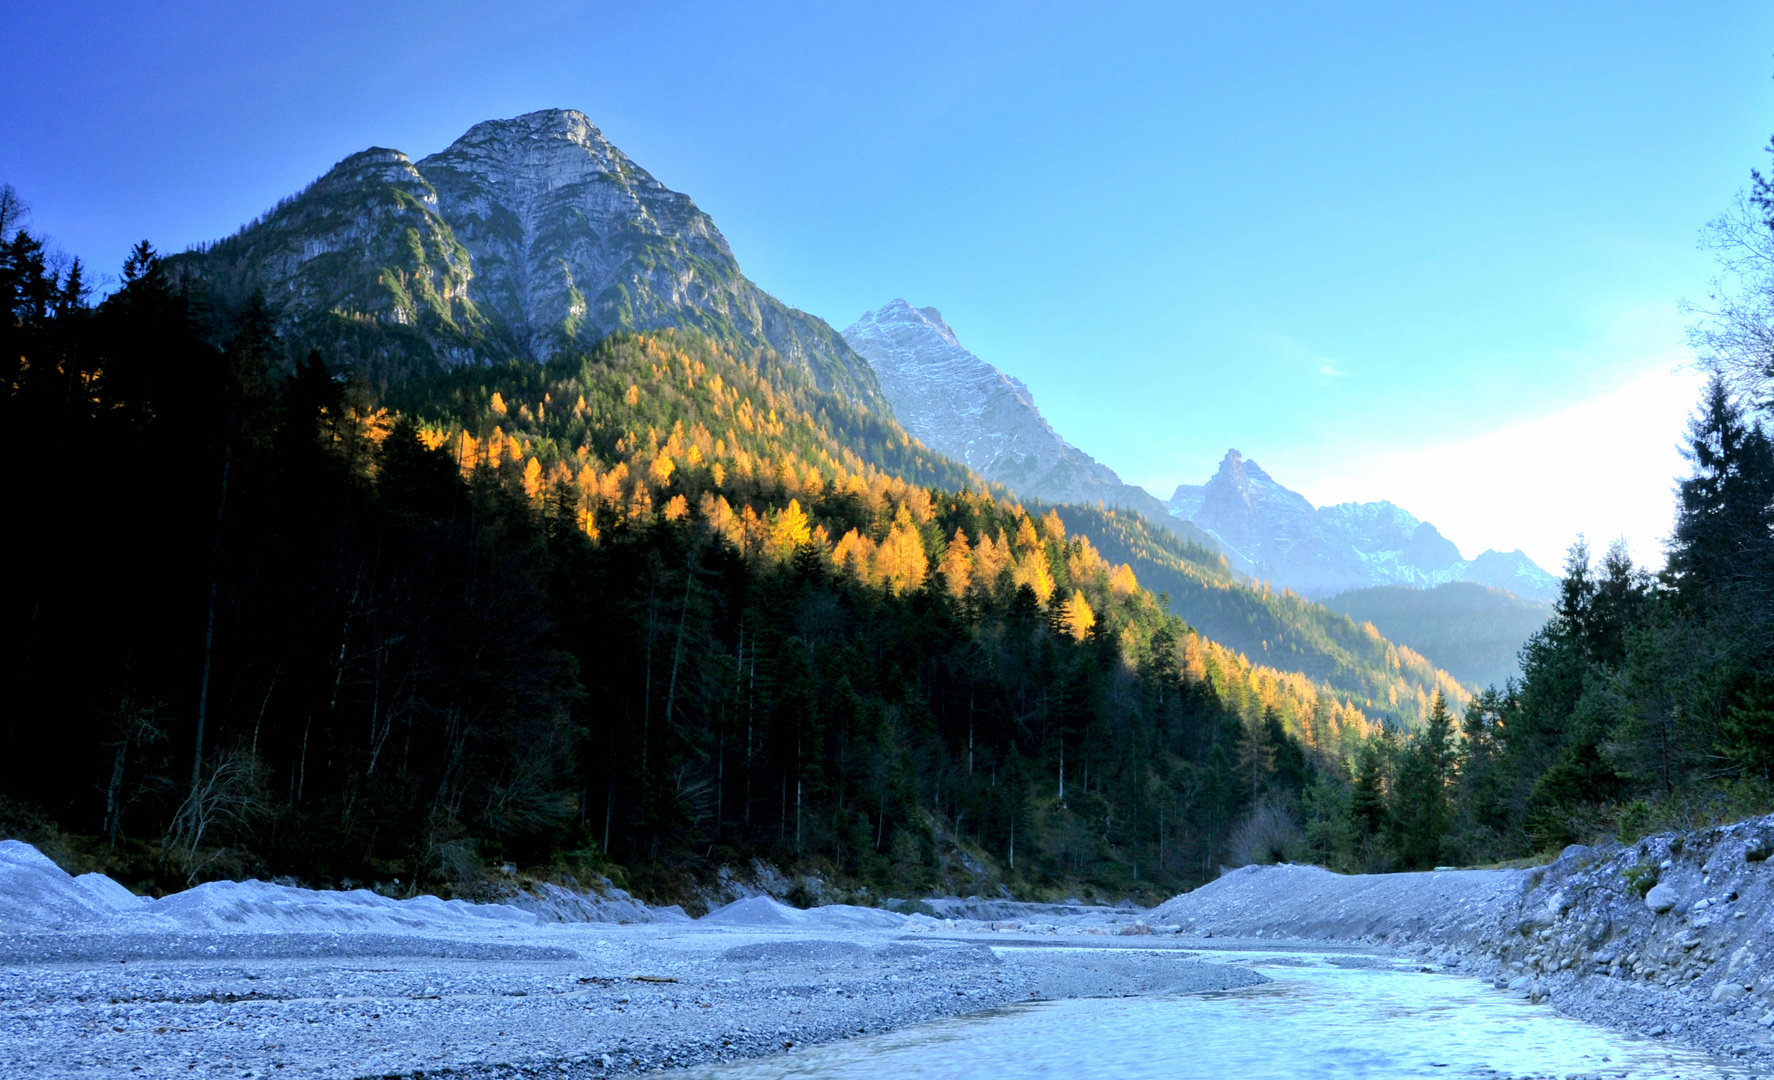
{"x":1311,"y":902}
{"x":36,"y":895}
{"x":555,"y":903}
{"x":795,"y":952}
{"x":761,"y":912}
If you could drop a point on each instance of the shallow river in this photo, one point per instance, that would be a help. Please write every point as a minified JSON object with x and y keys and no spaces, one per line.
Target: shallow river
{"x":1318,"y":1018}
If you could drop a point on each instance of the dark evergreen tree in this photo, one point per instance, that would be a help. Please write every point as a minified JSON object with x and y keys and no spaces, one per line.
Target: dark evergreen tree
{"x":1368,"y":803}
{"x":1420,"y":812}
{"x":1721,"y":557}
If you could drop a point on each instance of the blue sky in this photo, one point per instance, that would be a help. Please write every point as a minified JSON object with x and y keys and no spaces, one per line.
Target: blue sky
{"x":1426,"y":252}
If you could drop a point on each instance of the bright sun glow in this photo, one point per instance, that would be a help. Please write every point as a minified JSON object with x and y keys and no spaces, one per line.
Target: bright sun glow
{"x":1605,"y":467}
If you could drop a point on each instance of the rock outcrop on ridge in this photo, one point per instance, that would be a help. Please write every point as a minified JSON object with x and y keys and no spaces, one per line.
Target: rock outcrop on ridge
{"x":962,"y":406}
{"x":524,"y":238}
{"x":1271,"y":532}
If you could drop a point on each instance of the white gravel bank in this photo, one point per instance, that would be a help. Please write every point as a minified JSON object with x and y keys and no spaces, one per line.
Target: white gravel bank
{"x":244,"y":979}
{"x":1690,"y":958}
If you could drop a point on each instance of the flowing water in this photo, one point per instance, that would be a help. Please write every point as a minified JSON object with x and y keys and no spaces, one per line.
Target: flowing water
{"x":1322,"y":1016}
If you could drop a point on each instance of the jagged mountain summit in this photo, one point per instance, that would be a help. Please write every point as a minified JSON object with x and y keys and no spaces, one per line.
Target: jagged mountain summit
{"x":1271,"y":532}
{"x":962,"y":406}
{"x":523,"y":238}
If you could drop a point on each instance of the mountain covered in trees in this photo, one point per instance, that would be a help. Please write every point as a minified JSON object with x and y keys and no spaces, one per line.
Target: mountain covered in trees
{"x":643,"y":609}
{"x":531,"y":238}
{"x":651,"y":607}
{"x":669,"y":600}
{"x":1273,"y":533}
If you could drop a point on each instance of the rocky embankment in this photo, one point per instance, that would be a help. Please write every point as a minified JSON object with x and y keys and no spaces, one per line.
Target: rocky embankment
{"x":1671,"y":937}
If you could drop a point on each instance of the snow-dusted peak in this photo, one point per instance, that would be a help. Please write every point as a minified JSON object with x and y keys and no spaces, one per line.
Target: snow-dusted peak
{"x":1238,"y":469}
{"x":1274,"y":533}
{"x":900,"y":321}
{"x":964,"y":407}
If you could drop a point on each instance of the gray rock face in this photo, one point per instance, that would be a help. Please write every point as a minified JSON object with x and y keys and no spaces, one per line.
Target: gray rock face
{"x":960,"y":405}
{"x":553,"y":216}
{"x":524,"y":238}
{"x":1271,"y":532}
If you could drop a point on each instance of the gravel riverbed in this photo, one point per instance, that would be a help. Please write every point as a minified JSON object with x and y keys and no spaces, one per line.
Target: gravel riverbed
{"x":1671,"y":937}
{"x":569,"y":1001}
{"x":237,"y":980}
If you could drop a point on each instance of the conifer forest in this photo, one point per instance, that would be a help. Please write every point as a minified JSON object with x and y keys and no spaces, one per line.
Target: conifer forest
{"x":663,"y":605}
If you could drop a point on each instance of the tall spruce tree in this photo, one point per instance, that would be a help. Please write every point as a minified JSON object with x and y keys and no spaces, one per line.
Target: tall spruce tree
{"x":1421,"y":813}
{"x":1722,"y":553}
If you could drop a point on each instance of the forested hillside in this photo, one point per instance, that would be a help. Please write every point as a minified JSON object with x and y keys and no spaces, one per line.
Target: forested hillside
{"x":562,"y":423}
{"x":1472,"y":630}
{"x":651,"y":609}
{"x":664,"y":604}
{"x":1276,"y":629}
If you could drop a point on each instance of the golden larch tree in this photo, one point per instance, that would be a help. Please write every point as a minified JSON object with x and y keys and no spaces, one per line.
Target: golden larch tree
{"x":900,"y":561}
{"x":533,"y":478}
{"x":789,"y":529}
{"x":989,"y":559}
{"x":854,"y":554}
{"x":1077,"y":617}
{"x":1032,"y":570}
{"x":957,"y":564}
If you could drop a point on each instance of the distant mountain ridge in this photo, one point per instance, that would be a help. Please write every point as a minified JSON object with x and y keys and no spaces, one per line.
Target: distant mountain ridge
{"x":1271,"y":532}
{"x":962,"y":406}
{"x":959,"y":405}
{"x":1473,"y":632}
{"x":523,"y":238}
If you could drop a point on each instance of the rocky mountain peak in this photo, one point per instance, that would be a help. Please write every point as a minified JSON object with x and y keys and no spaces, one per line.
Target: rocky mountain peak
{"x":535,"y":235}
{"x":899,"y":319}
{"x":569,"y":124}
{"x":1238,"y":469}
{"x":377,"y":165}
{"x":542,"y":150}
{"x":964,"y":407}
{"x":1277,"y":534}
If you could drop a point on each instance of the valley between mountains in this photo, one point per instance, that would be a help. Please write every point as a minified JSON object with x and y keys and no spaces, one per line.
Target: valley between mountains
{"x":498,"y":519}
{"x":469,"y":628}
